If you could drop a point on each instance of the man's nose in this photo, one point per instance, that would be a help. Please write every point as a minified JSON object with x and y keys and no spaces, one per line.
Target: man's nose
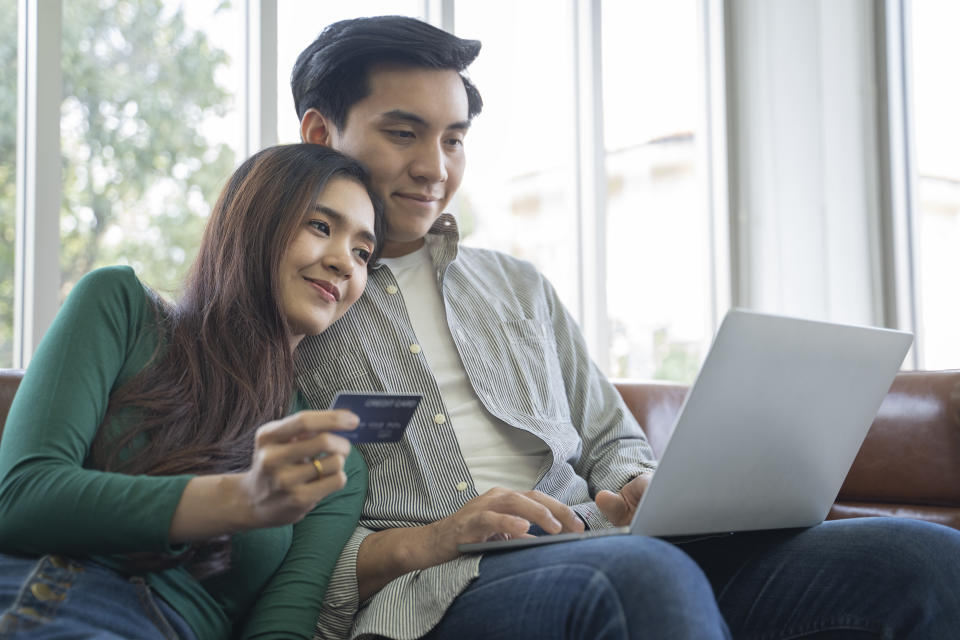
{"x":430,"y":164}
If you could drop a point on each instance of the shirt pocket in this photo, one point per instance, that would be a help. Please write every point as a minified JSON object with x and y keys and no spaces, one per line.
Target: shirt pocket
{"x":532,"y":369}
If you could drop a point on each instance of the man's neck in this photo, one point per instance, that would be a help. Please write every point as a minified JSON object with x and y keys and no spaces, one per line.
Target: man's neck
{"x":399,"y":249}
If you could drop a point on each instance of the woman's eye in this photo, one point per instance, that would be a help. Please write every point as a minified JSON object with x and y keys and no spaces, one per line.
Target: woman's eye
{"x":363,"y":255}
{"x":320,"y":226}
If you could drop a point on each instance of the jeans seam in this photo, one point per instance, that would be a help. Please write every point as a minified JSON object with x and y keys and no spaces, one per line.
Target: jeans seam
{"x":145,"y":595}
{"x":836,"y":624}
{"x":44,"y":609}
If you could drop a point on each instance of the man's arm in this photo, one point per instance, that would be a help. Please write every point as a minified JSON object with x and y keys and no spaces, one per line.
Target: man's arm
{"x":388,"y":554}
{"x":615,"y":450}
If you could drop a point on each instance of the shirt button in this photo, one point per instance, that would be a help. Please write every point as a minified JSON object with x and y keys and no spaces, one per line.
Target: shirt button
{"x":462,"y":486}
{"x":439,"y":418}
{"x":414,"y":349}
{"x":392,"y":289}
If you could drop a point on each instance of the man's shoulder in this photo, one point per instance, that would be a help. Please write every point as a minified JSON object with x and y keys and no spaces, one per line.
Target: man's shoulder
{"x":479,"y":257}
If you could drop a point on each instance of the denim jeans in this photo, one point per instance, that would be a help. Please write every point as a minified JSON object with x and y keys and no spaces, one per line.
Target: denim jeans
{"x":866,"y":578}
{"x":55,"y":597}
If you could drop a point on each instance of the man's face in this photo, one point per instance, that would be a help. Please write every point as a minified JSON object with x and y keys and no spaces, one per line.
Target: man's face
{"x":409,"y":133}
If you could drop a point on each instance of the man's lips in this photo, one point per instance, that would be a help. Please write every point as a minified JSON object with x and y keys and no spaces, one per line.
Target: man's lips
{"x":326,"y":289}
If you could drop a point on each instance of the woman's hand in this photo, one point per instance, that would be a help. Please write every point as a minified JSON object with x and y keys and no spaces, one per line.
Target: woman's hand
{"x":296,"y":463}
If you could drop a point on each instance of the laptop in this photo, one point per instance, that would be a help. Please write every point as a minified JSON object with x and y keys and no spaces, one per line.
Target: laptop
{"x":768,"y":431}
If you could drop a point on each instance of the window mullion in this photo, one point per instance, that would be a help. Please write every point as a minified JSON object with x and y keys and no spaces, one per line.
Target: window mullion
{"x":39,"y":94}
{"x":591,"y":180}
{"x":260,"y":75}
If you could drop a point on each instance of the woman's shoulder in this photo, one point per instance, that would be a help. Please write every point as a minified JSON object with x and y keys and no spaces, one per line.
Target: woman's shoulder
{"x":115,"y":284}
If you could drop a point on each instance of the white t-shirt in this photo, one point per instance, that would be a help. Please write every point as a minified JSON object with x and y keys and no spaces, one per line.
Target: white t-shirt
{"x":496,"y":453}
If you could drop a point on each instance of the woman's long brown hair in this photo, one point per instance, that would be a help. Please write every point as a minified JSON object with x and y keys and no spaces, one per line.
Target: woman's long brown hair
{"x":223,"y":366}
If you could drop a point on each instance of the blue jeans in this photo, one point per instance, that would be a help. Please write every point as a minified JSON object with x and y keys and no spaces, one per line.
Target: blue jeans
{"x":55,"y":597}
{"x":867,"y":578}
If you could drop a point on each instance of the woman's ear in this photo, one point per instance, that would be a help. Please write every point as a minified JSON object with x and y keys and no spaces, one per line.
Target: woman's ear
{"x":316,"y":128}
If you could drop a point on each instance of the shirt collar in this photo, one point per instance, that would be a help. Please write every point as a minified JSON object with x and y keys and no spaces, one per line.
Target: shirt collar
{"x":442,"y":240}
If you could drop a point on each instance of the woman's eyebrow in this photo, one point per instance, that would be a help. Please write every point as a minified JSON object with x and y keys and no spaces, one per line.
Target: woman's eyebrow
{"x":340,"y":219}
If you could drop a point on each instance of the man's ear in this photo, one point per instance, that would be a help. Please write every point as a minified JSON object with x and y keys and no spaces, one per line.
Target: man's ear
{"x":316,"y":128}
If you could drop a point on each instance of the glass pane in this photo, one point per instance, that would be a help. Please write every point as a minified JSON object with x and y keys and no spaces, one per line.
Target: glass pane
{"x":8,"y":173}
{"x":658,"y":270}
{"x":518,"y":193}
{"x":148,"y":122}
{"x":936,"y":103}
{"x":300,"y":22}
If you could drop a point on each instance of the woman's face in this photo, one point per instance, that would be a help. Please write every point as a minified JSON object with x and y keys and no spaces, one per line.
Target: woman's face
{"x":324,"y":270}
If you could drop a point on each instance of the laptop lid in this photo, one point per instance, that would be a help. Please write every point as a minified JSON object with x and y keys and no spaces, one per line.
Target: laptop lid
{"x":770,"y":426}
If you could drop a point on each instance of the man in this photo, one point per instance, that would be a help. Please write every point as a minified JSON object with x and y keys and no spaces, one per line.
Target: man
{"x":518,"y":428}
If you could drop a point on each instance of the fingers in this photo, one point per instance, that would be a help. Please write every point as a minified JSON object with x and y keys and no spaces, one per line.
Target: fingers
{"x":308,"y":471}
{"x":548,"y":513}
{"x":305,"y":424}
{"x":563,"y":514}
{"x":271,"y":458}
{"x":612,"y":506}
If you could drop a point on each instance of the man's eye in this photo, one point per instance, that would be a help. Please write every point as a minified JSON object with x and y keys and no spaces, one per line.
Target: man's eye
{"x":363,"y":255}
{"x":320,"y":226}
{"x":400,"y":133}
{"x":455,"y":142}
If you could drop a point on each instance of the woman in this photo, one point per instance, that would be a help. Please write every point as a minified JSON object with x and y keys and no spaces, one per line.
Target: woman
{"x":148,"y":475}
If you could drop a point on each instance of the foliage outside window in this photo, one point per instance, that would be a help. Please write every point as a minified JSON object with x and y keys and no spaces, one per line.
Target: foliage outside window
{"x":8,"y":173}
{"x":141,"y":166}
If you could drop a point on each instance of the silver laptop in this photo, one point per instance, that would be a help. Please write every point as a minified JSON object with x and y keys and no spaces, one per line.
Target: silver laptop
{"x":767,"y":432}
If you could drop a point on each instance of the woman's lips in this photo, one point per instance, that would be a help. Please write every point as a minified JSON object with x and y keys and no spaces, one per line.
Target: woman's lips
{"x":326,"y":289}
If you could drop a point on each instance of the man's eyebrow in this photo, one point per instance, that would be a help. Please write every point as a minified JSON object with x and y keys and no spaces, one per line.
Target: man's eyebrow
{"x":339,"y":218}
{"x":412,"y":118}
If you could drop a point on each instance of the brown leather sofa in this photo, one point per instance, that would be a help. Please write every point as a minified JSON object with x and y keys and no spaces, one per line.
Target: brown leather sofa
{"x":909,"y":464}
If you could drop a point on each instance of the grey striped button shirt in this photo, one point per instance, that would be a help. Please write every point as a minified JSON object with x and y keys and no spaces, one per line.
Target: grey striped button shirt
{"x":528,"y":364}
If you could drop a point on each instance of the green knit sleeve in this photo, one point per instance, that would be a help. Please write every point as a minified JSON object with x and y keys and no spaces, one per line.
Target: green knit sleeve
{"x":104,"y":333}
{"x":288,"y":607}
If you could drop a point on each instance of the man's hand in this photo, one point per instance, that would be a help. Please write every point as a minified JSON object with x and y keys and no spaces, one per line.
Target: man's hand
{"x":619,"y":507}
{"x":500,"y":513}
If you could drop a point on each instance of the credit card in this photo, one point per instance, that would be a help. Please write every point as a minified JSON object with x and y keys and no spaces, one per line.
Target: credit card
{"x":383,"y":416}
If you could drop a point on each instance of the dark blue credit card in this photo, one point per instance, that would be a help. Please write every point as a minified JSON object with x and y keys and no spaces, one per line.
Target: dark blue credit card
{"x":383,"y":416}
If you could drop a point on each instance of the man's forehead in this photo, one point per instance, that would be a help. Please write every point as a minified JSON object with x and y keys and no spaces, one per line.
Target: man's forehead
{"x":435,"y":96}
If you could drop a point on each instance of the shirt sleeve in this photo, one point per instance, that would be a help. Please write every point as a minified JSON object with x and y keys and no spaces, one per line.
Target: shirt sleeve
{"x":289,"y":605}
{"x":104,"y":333}
{"x":615,"y":449}
{"x":343,"y":597}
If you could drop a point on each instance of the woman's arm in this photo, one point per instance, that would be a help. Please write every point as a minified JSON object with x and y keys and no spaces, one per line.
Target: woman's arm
{"x":289,"y":605}
{"x":104,"y":334}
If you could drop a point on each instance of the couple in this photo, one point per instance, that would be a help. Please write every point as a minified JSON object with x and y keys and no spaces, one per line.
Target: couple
{"x":148,"y":476}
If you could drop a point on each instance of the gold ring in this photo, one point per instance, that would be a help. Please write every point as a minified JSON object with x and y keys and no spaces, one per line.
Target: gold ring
{"x":319,"y":466}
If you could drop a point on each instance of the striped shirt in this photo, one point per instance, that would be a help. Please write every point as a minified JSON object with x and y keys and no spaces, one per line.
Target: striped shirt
{"x":527,"y":363}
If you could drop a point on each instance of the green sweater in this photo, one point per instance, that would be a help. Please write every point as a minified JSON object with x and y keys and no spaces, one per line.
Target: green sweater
{"x":49,"y":503}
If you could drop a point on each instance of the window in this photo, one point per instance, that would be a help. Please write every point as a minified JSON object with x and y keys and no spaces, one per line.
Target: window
{"x":300,"y":22}
{"x":8,"y":174}
{"x":658,"y":269}
{"x":936,"y":103}
{"x":147,"y":123}
{"x":518,"y":193}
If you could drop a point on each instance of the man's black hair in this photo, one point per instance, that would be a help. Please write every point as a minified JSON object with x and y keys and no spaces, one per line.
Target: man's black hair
{"x":331,"y":75}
